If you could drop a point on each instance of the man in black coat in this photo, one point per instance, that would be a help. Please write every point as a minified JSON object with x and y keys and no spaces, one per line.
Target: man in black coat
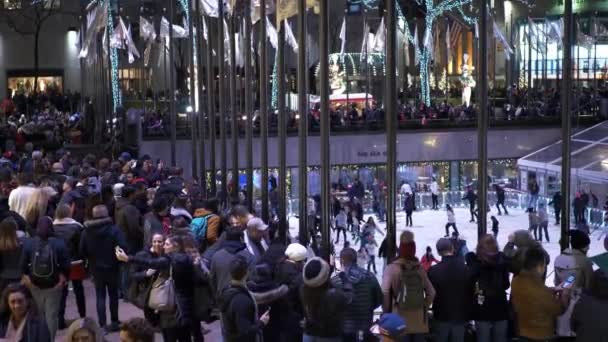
{"x":556,"y":202}
{"x":97,"y":245}
{"x":451,"y":278}
{"x":240,"y":322}
{"x":472,"y":198}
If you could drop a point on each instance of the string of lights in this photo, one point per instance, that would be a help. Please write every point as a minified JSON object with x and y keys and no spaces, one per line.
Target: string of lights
{"x":114,"y":64}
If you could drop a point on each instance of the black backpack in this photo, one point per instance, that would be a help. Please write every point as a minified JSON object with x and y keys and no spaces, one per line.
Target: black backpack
{"x":43,"y":268}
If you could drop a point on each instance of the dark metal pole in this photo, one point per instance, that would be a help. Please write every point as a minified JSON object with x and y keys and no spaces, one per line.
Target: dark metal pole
{"x":566,"y":124}
{"x":194,"y":111}
{"x":367,"y":78}
{"x":211,"y":108}
{"x":391,"y":125}
{"x":199,"y":88}
{"x":172,"y":111}
{"x":529,"y":58}
{"x":234,"y":107}
{"x":249,"y":108}
{"x":264,"y":109}
{"x":303,"y":125}
{"x":325,"y":158}
{"x":282,"y":132}
{"x":222,"y":102}
{"x":482,"y":124}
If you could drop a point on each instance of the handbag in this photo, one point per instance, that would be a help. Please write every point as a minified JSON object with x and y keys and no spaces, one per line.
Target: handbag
{"x":78,"y":270}
{"x":162,"y":294}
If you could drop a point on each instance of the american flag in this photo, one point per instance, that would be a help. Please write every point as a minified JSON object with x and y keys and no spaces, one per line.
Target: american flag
{"x":455,"y":31}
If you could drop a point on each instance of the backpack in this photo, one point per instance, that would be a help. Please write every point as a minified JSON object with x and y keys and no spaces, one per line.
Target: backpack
{"x":199,"y":228}
{"x":43,"y":268}
{"x":411,"y":292}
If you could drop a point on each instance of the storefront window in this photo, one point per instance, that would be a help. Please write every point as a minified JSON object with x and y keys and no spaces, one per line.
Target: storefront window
{"x":25,"y":85}
{"x":12,"y":4}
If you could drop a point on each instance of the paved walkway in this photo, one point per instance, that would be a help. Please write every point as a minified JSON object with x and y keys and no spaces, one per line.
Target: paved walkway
{"x":126,"y":311}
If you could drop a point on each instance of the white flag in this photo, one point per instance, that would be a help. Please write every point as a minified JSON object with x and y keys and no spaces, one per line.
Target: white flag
{"x":503,"y":41}
{"x":447,"y":43}
{"x":365,"y":39}
{"x":380,"y":39}
{"x":272,"y":34}
{"x":133,"y":52}
{"x":205,"y":30}
{"x":146,"y":29}
{"x":289,"y":37}
{"x":164,"y":28}
{"x":226,"y":43}
{"x":416,"y":48}
{"x":476,"y":30}
{"x":343,"y":36}
{"x":210,"y":8}
{"x":427,"y":41}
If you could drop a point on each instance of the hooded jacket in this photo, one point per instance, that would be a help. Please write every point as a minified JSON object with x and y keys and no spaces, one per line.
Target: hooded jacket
{"x":220,"y":264}
{"x":99,"y":239}
{"x":573,"y":262}
{"x":69,"y":231}
{"x":240,"y":317}
{"x":128,"y":220}
{"x":363,"y":295}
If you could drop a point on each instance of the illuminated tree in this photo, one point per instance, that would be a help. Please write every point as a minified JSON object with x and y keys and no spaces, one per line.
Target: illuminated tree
{"x":423,"y":54}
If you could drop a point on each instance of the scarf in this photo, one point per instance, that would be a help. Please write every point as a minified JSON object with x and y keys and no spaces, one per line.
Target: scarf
{"x":67,"y":220}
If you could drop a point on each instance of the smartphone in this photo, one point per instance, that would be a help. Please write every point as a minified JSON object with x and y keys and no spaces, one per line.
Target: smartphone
{"x":568,"y":283}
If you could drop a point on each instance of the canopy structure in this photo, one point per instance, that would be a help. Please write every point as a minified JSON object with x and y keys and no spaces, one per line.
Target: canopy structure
{"x":589,"y":156}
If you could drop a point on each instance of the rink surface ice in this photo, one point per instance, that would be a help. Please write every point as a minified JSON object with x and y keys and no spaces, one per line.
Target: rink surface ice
{"x":429,"y":226}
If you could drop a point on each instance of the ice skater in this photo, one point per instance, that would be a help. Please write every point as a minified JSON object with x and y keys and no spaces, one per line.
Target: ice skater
{"x":543,"y":222}
{"x":341,"y":219}
{"x":451,"y":220}
{"x":500,"y":199}
{"x":409,"y":209}
{"x":435,"y":194}
{"x":371,"y":247}
{"x":533,"y":222}
{"x":495,"y":224}
{"x":472,"y":198}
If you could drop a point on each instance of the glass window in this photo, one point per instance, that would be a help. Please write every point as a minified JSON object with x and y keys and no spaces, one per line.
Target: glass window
{"x":12,"y":4}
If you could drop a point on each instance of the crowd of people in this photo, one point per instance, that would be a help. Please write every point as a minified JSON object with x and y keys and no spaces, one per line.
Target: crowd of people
{"x":140,"y":231}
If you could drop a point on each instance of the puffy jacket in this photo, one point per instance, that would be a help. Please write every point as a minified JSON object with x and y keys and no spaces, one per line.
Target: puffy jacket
{"x":451,"y":279}
{"x":363,"y":295}
{"x":490,"y":280}
{"x":129,"y":221}
{"x":99,"y":239}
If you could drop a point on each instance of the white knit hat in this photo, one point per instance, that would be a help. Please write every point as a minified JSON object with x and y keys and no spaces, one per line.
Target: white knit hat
{"x":296,"y":252}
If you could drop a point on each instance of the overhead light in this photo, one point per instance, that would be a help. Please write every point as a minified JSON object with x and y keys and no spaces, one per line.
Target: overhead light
{"x":297,"y":116}
{"x":244,"y":117}
{"x":189,"y":109}
{"x":605,"y":162}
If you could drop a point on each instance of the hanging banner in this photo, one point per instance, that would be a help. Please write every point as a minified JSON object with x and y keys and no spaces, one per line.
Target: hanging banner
{"x":503,"y":41}
{"x":289,"y":37}
{"x":343,"y":36}
{"x":98,"y":21}
{"x":380,"y":39}
{"x":272,"y":34}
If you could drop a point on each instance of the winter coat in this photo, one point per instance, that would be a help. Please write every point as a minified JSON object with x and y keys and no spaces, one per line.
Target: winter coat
{"x":138,"y":275}
{"x":326,"y":320}
{"x":5,"y":212}
{"x":129,"y":221}
{"x":409,"y":203}
{"x":451,"y":216}
{"x":220,"y":264}
{"x":589,"y":319}
{"x":181,"y":267}
{"x":62,"y":260}
{"x":451,"y":280}
{"x":535,"y":305}
{"x":203,"y":295}
{"x":471,"y":197}
{"x":35,"y":329}
{"x":154,"y":224}
{"x":516,"y":255}
{"x":14,"y":263}
{"x":97,"y":245}
{"x":18,"y":198}
{"x":240,"y":316}
{"x":363,"y":295}
{"x":490,"y":284}
{"x":69,"y":231}
{"x":417,"y":319}
{"x":269,"y":294}
{"x":573,"y":262}
{"x":290,"y":274}
{"x":428,"y":261}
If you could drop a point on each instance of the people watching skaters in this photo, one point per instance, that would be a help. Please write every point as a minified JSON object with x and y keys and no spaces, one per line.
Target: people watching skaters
{"x":363,"y":294}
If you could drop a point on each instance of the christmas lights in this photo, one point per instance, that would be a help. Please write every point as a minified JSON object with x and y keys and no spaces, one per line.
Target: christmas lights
{"x":116,"y":92}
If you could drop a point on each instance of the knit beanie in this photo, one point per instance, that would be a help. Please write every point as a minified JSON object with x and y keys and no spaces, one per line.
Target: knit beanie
{"x":316,"y":272}
{"x":579,"y":239}
{"x":296,"y":252}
